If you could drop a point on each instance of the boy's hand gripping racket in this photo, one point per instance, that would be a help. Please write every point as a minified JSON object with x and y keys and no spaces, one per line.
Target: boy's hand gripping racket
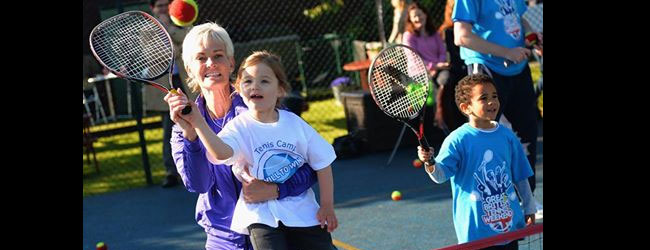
{"x":135,"y":46}
{"x":399,"y":84}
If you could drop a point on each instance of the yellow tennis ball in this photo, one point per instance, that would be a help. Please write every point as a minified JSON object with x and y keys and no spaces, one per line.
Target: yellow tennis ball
{"x":183,"y":12}
{"x":396,"y":195}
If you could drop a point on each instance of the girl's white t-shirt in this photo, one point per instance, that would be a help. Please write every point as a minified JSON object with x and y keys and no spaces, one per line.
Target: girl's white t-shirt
{"x":273,"y":152}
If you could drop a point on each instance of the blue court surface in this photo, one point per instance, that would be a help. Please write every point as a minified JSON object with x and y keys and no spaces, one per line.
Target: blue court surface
{"x":156,"y":218}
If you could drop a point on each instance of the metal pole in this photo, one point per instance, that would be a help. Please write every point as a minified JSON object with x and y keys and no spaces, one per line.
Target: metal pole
{"x":380,"y":22}
{"x":143,"y":142}
{"x":399,"y":140}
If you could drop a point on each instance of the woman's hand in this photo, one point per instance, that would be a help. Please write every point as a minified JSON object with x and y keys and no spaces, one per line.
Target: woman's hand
{"x":258,"y":191}
{"x":442,"y":65}
{"x":177,"y":102}
{"x":517,"y":54}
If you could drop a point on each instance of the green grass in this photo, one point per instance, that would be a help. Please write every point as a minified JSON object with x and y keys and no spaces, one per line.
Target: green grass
{"x":327,"y":118}
{"x":120,"y":163}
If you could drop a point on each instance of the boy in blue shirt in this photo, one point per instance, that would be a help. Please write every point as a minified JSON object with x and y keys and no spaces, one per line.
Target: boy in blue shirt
{"x":485,"y":163}
{"x":489,"y":33}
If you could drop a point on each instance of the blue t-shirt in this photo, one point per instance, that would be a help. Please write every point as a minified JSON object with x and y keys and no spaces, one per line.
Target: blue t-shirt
{"x":483,"y":167}
{"x":497,"y":21}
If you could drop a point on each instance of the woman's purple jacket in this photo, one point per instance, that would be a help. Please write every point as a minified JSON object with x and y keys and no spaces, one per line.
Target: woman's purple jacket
{"x":217,"y":186}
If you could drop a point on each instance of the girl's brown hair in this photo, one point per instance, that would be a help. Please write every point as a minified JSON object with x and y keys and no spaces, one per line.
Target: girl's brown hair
{"x":428,"y":26}
{"x":273,"y":61}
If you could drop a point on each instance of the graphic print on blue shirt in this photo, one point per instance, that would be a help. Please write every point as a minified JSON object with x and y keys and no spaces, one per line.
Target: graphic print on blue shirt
{"x":493,"y":183}
{"x":278,"y":165}
{"x":508,"y":13}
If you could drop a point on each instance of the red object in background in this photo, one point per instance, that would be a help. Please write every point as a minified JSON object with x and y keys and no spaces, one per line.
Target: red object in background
{"x":417,"y":163}
{"x":362,"y":67}
{"x":532,"y":39}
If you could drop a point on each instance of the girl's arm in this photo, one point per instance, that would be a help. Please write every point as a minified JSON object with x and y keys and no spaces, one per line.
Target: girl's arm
{"x":326,"y":211}
{"x":213,"y":144}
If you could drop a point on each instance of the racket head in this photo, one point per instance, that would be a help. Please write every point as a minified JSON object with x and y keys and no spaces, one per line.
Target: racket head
{"x":133,"y":45}
{"x":399,"y":82}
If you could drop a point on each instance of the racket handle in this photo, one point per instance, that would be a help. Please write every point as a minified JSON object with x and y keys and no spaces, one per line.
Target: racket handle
{"x":424,"y":143}
{"x":187,"y":109}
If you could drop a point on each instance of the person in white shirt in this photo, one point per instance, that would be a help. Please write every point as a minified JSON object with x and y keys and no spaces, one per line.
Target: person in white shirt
{"x":270,"y":144}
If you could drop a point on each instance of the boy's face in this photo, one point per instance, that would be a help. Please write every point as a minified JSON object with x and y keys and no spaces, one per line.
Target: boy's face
{"x":484,"y":103}
{"x":260,"y":87}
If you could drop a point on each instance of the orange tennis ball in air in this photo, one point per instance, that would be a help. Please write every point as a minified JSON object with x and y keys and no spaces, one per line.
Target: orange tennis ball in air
{"x":396,"y":195}
{"x":183,"y":12}
{"x":417,"y":163}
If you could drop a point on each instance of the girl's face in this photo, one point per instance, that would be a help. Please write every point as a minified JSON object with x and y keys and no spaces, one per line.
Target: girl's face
{"x":259,"y":87}
{"x":210,"y":65}
{"x":418,"y":18}
{"x":484,"y":103}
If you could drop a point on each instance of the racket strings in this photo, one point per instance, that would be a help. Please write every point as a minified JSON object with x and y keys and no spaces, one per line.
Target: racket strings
{"x":400,"y":82}
{"x":133,"y":45}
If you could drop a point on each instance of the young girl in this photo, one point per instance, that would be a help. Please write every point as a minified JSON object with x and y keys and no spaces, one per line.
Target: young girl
{"x":483,"y":161}
{"x":271,"y":144}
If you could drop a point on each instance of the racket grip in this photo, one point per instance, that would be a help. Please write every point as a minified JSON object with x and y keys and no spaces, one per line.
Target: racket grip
{"x":187,"y":110}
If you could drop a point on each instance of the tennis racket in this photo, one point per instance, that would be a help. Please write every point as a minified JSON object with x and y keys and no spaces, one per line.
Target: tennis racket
{"x":135,"y":46}
{"x":399,"y":84}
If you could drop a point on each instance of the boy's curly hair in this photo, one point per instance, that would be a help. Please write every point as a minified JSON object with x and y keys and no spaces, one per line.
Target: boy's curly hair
{"x":464,"y":87}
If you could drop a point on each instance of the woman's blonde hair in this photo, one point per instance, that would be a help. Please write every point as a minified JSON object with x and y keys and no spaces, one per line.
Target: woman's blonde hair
{"x":199,"y":35}
{"x":273,"y":61}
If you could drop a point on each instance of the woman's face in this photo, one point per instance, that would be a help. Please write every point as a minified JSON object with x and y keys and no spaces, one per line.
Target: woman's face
{"x":418,"y":18}
{"x":210,"y":65}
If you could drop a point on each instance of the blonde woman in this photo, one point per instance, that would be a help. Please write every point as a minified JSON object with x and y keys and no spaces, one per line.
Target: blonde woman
{"x":208,"y":55}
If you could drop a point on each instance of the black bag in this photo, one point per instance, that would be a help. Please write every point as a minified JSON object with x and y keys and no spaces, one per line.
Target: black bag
{"x":348,"y":146}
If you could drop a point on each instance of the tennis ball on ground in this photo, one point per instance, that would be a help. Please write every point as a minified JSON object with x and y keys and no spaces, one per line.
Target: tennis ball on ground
{"x":101,"y":246}
{"x":183,"y":12}
{"x":396,"y":195}
{"x":417,"y":163}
